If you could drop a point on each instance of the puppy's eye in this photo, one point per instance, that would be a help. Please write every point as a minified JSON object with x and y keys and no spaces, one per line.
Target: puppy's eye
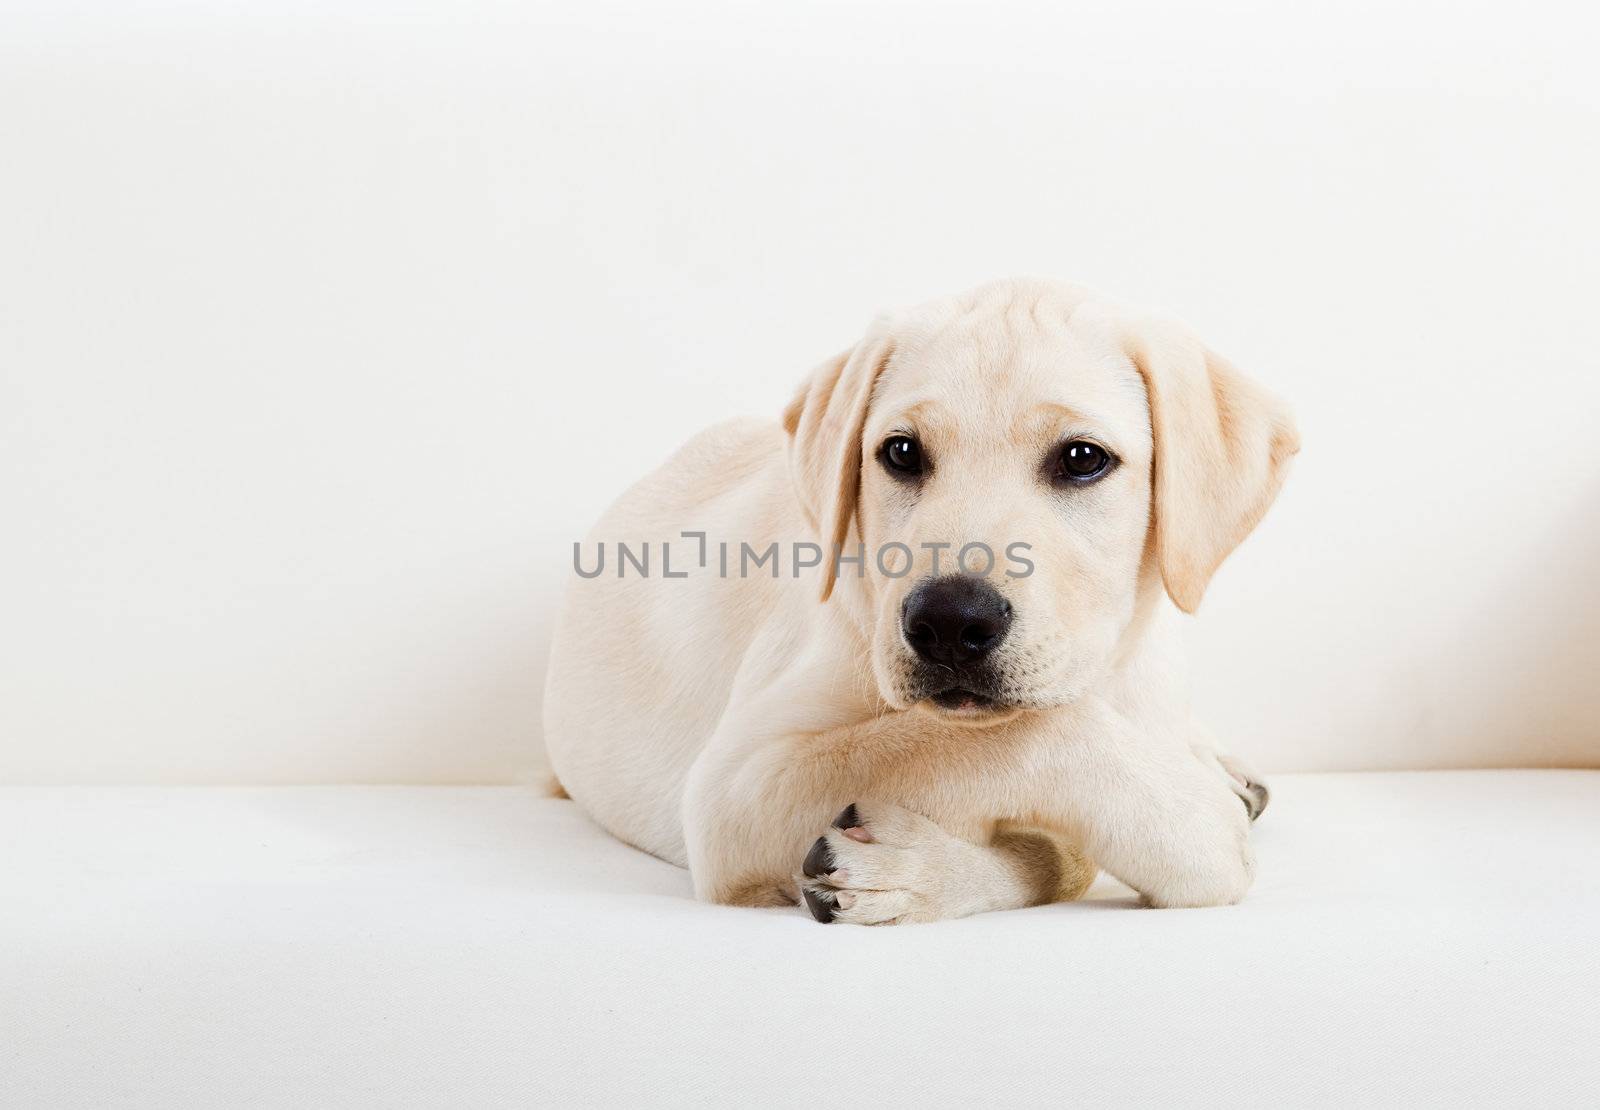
{"x":1081,"y":461}
{"x":902,"y":455}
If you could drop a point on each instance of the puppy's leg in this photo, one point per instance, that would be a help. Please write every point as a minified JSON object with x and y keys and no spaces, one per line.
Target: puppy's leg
{"x":881,"y":864}
{"x":753,"y":809}
{"x":760,"y":894}
{"x":1149,"y":812}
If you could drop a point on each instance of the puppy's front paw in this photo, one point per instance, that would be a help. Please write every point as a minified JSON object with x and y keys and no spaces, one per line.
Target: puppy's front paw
{"x":879,"y":864}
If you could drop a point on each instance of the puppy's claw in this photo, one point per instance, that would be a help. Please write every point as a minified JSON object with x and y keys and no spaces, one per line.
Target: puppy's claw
{"x":1255,"y":798}
{"x":819,"y":907}
{"x":1254,"y":795}
{"x":819,"y":861}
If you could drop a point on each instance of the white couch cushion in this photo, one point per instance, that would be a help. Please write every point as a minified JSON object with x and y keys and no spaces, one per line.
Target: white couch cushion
{"x":1412,"y":938}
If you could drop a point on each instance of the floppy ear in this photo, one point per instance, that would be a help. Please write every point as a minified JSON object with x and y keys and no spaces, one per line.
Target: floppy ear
{"x":825,"y":423}
{"x":1222,"y":450}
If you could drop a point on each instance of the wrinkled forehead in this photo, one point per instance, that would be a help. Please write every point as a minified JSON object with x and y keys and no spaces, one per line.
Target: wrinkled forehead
{"x":1024,"y":367}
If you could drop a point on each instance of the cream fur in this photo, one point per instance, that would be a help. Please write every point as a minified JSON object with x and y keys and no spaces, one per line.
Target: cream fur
{"x":722,"y":723}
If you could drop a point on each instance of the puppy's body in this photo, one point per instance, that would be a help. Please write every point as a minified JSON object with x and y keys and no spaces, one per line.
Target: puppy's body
{"x":642,"y":668}
{"x":723,"y":720}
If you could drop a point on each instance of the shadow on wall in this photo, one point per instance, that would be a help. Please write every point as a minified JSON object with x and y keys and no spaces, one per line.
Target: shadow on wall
{"x":497,"y":700}
{"x":1528,"y":650}
{"x":468,"y":714}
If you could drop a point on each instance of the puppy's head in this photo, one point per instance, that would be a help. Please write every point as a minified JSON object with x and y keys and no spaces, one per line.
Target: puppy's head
{"x":1024,"y":465}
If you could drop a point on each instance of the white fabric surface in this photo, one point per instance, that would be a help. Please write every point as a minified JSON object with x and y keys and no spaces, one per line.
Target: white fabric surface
{"x":1422,"y":938}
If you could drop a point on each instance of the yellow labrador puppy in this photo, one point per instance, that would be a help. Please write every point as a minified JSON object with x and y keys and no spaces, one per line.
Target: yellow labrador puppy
{"x":910,"y":655}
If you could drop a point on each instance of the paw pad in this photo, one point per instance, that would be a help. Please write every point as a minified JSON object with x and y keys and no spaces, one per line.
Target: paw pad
{"x":820,"y":903}
{"x":819,"y":861}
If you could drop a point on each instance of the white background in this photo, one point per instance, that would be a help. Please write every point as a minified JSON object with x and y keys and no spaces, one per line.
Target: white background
{"x":326,"y":328}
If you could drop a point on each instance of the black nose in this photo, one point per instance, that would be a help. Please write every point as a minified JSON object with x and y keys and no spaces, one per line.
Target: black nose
{"x":955,"y":619}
